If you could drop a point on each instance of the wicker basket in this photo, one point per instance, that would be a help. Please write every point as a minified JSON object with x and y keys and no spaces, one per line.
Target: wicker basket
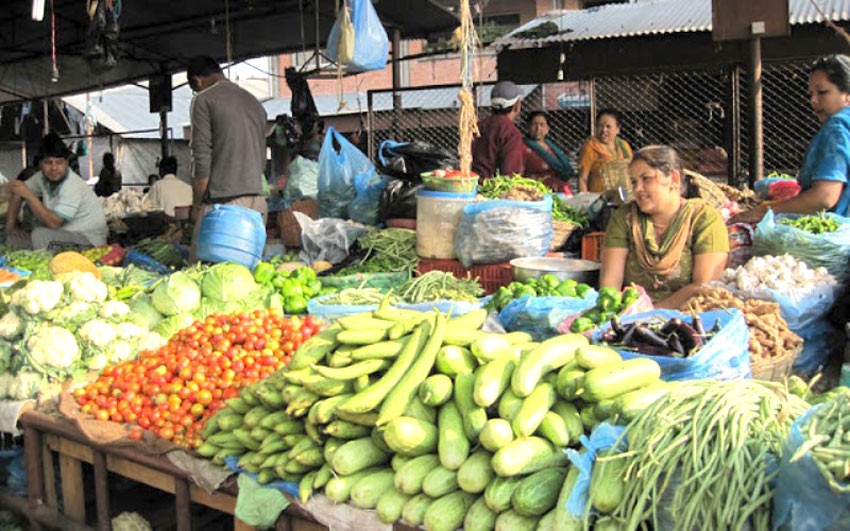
{"x":775,"y":369}
{"x":562,"y":231}
{"x":290,"y":230}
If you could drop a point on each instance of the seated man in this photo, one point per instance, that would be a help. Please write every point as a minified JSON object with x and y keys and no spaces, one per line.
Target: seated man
{"x":66,"y":210}
{"x":170,"y":191}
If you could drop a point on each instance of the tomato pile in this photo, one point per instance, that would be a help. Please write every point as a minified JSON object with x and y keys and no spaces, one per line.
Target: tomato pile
{"x":173,"y":390}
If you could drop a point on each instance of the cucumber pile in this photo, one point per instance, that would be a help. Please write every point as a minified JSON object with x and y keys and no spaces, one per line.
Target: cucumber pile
{"x":430,"y":420}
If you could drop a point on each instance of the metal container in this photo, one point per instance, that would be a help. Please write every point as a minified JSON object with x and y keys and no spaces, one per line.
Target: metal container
{"x":586,"y":271}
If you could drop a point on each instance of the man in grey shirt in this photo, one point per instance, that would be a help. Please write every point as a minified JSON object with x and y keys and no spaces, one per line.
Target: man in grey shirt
{"x":228,"y":143}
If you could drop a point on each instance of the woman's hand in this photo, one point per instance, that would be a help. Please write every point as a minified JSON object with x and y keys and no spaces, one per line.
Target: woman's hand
{"x":613,"y":267}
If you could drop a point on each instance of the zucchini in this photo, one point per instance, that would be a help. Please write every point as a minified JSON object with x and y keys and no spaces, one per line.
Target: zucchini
{"x":410,"y":436}
{"x":475,"y":473}
{"x":474,"y":417}
{"x":382,"y":350}
{"x":325,"y":408}
{"x":572,"y":419}
{"x":607,"y":482}
{"x":414,"y":510}
{"x":594,"y":356}
{"x":436,"y":390}
{"x":513,"y":521}
{"x":479,"y":517}
{"x":552,"y":354}
{"x":534,"y":408}
{"x":418,"y":410}
{"x":614,"y":380}
{"x":447,"y":512}
{"x":496,"y":434}
{"x":509,"y":405}
{"x":536,"y":494}
{"x":524,"y":456}
{"x":338,"y":488}
{"x":408,"y":479}
{"x":440,"y":482}
{"x":398,"y":461}
{"x":498,"y":493}
{"x":368,"y":490}
{"x":315,"y":349}
{"x":452,"y":445}
{"x":547,"y":523}
{"x":554,"y":429}
{"x":365,"y":336}
{"x":453,"y":360}
{"x":489,"y":347}
{"x":564,"y":520}
{"x":569,"y":382}
{"x":491,"y":380}
{"x":357,"y":455}
{"x":390,"y":505}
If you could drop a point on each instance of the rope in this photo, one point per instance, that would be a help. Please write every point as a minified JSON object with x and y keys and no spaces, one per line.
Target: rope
{"x":54,"y":75}
{"x":228,"y":49}
{"x":468,"y":119}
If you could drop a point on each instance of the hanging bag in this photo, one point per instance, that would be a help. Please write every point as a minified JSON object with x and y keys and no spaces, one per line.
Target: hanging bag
{"x":359,"y":41}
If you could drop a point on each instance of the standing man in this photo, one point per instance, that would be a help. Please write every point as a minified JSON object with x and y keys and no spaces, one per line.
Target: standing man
{"x":500,"y":148}
{"x":110,"y":178}
{"x":228,"y":143}
{"x":64,"y":207}
{"x":169,"y":191}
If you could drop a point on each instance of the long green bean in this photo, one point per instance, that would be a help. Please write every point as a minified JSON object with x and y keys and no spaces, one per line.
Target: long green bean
{"x":824,"y":438}
{"x":438,"y":285}
{"x":387,"y":251}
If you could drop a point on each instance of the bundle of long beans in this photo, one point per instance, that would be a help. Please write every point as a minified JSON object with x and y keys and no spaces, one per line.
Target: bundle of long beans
{"x":438,"y":285}
{"x":714,"y":444}
{"x":827,"y":438}
{"x":387,"y":251}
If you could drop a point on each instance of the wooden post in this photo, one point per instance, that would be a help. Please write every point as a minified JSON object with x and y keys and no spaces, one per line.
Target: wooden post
{"x":163,"y":132}
{"x":35,"y":472}
{"x":756,"y":125}
{"x":732,"y":126}
{"x":101,"y":491}
{"x":182,"y":504}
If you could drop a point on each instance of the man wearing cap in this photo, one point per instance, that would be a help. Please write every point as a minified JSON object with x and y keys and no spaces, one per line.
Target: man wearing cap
{"x":228,"y":143}
{"x":65,"y":208}
{"x":500,"y":148}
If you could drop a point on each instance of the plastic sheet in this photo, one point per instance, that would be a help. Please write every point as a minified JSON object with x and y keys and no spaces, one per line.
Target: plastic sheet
{"x":803,"y":500}
{"x":371,"y":43}
{"x":799,"y":307}
{"x":540,"y":316}
{"x":338,"y":169}
{"x":498,"y":231}
{"x":821,"y":340}
{"x":830,"y":250}
{"x":326,"y":239}
{"x":725,"y":357}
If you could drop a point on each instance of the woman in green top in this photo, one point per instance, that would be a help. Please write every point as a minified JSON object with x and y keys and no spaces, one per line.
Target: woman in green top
{"x":666,"y":243}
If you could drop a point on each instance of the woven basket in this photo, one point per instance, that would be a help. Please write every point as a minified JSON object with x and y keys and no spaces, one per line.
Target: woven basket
{"x":775,"y":369}
{"x":562,"y":231}
{"x":290,"y":230}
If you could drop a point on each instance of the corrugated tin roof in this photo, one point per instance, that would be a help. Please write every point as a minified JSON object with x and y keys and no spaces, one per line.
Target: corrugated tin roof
{"x":652,"y":17}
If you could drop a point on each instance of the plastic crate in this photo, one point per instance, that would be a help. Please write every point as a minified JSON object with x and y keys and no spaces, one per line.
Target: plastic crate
{"x":491,"y":276}
{"x":591,"y":246}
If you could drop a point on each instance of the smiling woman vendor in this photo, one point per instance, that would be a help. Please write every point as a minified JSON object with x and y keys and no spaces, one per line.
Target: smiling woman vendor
{"x":65,"y":208}
{"x":661,"y":241}
{"x":825,"y":171}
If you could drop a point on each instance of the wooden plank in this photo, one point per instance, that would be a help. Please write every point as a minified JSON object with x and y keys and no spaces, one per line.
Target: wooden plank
{"x":239,"y":525}
{"x":73,"y":492}
{"x":50,"y":497}
{"x":217,"y":500}
{"x":182,"y":504}
{"x":101,"y":491}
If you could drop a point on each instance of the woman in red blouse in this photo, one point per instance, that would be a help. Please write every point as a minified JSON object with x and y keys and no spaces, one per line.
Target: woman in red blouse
{"x":544,"y":161}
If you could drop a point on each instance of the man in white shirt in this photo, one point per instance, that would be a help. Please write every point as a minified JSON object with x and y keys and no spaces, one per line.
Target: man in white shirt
{"x":170,"y":191}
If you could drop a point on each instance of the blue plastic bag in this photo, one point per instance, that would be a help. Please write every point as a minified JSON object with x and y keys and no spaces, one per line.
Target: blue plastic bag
{"x":830,"y":250}
{"x":367,"y":199}
{"x":725,"y":357}
{"x":338,"y":171}
{"x":371,"y":42}
{"x":303,"y":180}
{"x":803,"y":500}
{"x":289,"y":487}
{"x":821,"y":340}
{"x":500,"y":230}
{"x":540,"y":316}
{"x":601,"y":438}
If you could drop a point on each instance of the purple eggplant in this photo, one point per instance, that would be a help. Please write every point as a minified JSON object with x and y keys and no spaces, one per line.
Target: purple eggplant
{"x":697,"y":324}
{"x":645,"y":335}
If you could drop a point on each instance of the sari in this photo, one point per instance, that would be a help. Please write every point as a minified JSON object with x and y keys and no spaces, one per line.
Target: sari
{"x":608,"y":168}
{"x":552,"y":166}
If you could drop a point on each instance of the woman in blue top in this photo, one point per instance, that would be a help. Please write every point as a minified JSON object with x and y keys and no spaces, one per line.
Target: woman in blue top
{"x":826,"y":168}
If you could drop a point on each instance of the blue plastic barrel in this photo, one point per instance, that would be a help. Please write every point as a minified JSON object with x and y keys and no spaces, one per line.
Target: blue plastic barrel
{"x":231,"y":233}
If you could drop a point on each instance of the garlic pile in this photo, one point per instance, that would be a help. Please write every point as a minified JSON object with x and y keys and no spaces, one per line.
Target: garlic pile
{"x":127,"y":201}
{"x":779,"y":273}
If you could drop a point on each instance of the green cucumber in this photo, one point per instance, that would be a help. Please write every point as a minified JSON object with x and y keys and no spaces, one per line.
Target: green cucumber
{"x":534,"y":408}
{"x":509,"y":405}
{"x":479,"y":517}
{"x":489,"y":347}
{"x":594,"y":356}
{"x":452,"y":445}
{"x":524,"y":456}
{"x":354,"y":371}
{"x":447,"y":512}
{"x":496,"y":434}
{"x":513,"y":521}
{"x":436,"y":390}
{"x":552,"y":354}
{"x":491,"y":380}
{"x":410,"y":436}
{"x":382,"y":350}
{"x":475,"y":473}
{"x":474,"y":417}
{"x":408,"y":479}
{"x":390,"y":505}
{"x":440,"y":482}
{"x":554,"y":429}
{"x":368,"y":490}
{"x":453,"y":360}
{"x":357,"y":455}
{"x":569,"y":382}
{"x":365,"y":336}
{"x":498,"y":493}
{"x":620,"y":378}
{"x":414,"y":510}
{"x":572,"y":419}
{"x":536,"y":494}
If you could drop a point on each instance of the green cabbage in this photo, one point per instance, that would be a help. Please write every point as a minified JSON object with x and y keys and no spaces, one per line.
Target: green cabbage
{"x":144,"y":311}
{"x":171,"y":325}
{"x":177,"y":294}
{"x":228,"y":282}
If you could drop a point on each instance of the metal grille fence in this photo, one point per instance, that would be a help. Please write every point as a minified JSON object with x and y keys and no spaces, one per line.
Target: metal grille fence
{"x":703,"y":114}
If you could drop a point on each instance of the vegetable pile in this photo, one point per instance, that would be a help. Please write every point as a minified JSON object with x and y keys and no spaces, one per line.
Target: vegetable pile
{"x":824,"y":433}
{"x":818,"y":224}
{"x":35,"y":262}
{"x":547,"y":285}
{"x":673,"y":338}
{"x":700,"y":457}
{"x":770,"y":336}
{"x":437,"y":286}
{"x":163,"y":252}
{"x":387,"y":251}
{"x":781,"y":273}
{"x":516,"y":187}
{"x":294,"y":288}
{"x":174,"y":389}
{"x":609,"y":304}
{"x":563,"y":212}
{"x":429,"y":419}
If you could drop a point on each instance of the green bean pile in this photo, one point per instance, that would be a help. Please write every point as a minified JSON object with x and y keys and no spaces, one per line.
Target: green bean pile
{"x":387,"y":251}
{"x":357,"y":297}
{"x":717,"y":440}
{"x":827,"y":434}
{"x":34,"y":261}
{"x":817,"y":224}
{"x":437,"y":285}
{"x":562,"y":212}
{"x":497,"y":187}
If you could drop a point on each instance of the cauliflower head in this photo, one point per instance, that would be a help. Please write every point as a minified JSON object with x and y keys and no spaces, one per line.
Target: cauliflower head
{"x":38,"y":296}
{"x":25,"y":385}
{"x":128,"y":330}
{"x":6,"y":380}
{"x":85,"y":287}
{"x":113,"y":309}
{"x":151,"y":341}
{"x":118,"y":351}
{"x":127,"y":521}
{"x":98,"y":333}
{"x":53,"y":346}
{"x":11,"y":326}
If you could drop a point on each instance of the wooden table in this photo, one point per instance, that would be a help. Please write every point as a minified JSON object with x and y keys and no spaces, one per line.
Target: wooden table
{"x":45,"y":435}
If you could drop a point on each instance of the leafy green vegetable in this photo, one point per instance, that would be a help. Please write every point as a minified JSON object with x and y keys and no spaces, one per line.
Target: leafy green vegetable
{"x":170,"y":326}
{"x":499,"y":186}
{"x":228,"y":281}
{"x":564,"y":212}
{"x":144,"y":311}
{"x":177,"y":294}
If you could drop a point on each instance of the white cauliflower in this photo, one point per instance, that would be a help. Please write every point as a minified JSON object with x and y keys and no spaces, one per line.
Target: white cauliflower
{"x":127,"y":521}
{"x":118,"y":351}
{"x":113,"y":309}
{"x":53,"y":347}
{"x":97,"y":362}
{"x":25,"y":386}
{"x":38,"y":296}
{"x":128,"y":330}
{"x":151,"y":341}
{"x":11,"y":326}
{"x":85,"y":287}
{"x":98,"y":333}
{"x":6,"y":380}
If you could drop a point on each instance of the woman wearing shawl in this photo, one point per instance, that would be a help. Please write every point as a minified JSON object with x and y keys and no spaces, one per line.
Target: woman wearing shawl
{"x":604,"y":158}
{"x":825,"y":173}
{"x":544,"y":161}
{"x":666,"y":243}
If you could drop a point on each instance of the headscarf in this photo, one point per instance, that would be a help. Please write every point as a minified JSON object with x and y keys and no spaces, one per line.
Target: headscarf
{"x":662,"y":259}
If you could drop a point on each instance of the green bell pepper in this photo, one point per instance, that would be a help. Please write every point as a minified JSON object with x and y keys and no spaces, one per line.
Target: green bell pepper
{"x":264,"y":272}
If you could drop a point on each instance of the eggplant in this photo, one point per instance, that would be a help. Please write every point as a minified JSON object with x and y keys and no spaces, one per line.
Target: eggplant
{"x":645,"y":335}
{"x":629,"y":333}
{"x":697,"y":324}
{"x":670,"y":326}
{"x":676,"y":345}
{"x":618,"y":330}
{"x":657,"y":351}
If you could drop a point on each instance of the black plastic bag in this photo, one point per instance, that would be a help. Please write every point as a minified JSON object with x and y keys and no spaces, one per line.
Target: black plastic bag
{"x":398,"y":200}
{"x":408,"y":160}
{"x":302,"y":106}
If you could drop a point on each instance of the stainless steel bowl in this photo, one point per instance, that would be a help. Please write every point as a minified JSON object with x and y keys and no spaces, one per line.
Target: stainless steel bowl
{"x":586,"y":271}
